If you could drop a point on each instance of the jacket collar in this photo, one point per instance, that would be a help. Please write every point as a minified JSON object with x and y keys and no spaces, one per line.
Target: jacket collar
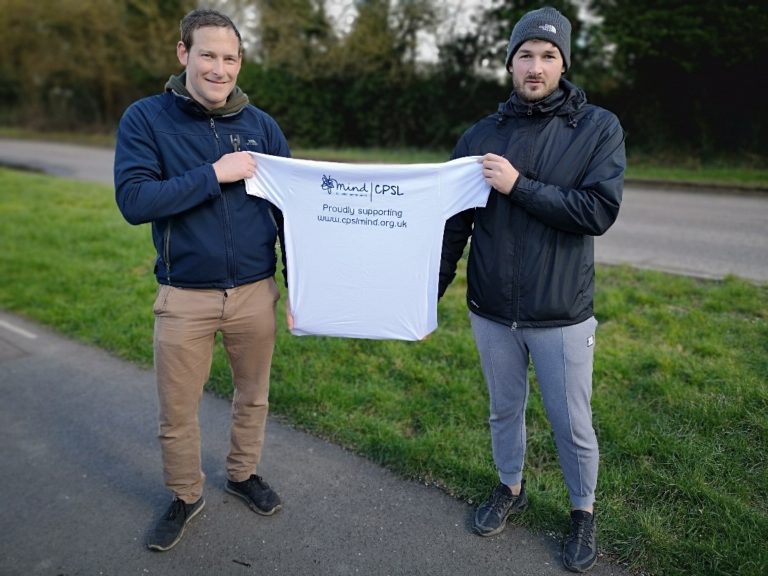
{"x":565,"y":100}
{"x":236,"y":101}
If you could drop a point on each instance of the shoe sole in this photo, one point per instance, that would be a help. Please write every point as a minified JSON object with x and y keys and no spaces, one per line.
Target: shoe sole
{"x":159,"y":548}
{"x":582,"y":569}
{"x":250,"y":503}
{"x":485,"y":534}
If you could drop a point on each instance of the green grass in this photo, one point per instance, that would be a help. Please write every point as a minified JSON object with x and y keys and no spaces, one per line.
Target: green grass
{"x":708,"y":176}
{"x":680,"y":398}
{"x":717,"y":173}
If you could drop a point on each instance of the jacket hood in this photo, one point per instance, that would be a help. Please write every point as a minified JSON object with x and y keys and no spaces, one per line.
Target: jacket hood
{"x":236,"y":101}
{"x":566,"y":100}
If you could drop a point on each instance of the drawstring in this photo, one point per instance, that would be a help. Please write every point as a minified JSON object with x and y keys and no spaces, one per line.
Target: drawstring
{"x":500,"y":114}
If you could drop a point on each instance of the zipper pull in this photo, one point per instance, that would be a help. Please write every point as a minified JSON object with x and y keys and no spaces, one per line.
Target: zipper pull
{"x":213,"y":127}
{"x":235,"y":139}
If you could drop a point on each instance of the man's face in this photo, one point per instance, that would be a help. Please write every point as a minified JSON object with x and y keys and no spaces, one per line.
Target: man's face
{"x":536,"y":68}
{"x":212,"y":64}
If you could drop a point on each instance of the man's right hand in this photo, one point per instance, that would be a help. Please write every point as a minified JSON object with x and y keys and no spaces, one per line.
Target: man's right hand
{"x":234,"y":166}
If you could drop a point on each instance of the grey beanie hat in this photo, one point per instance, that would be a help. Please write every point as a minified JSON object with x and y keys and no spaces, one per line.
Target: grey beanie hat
{"x":543,"y":24}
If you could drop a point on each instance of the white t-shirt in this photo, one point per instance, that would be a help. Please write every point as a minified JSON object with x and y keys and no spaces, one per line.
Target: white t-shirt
{"x":363,"y":241}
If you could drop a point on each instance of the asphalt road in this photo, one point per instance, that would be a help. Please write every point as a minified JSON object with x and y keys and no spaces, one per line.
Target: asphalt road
{"x":706,"y":233}
{"x":81,"y":481}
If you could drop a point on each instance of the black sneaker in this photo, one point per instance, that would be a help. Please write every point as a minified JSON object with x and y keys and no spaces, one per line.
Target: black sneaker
{"x":580,"y":548}
{"x":170,"y":528}
{"x":491,"y":517}
{"x":257,"y":494}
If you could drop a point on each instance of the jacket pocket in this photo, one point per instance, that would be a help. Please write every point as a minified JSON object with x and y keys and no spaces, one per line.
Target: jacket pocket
{"x":167,"y":251}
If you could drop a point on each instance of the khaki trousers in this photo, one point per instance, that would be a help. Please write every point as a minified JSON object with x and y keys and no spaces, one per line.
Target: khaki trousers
{"x":186,"y":323}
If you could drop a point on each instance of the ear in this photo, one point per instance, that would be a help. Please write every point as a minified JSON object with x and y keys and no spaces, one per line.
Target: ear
{"x":181,"y":53}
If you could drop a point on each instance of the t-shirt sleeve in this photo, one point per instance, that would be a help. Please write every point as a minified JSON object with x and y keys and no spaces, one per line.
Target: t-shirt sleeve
{"x":462,"y":185}
{"x":270,"y":170}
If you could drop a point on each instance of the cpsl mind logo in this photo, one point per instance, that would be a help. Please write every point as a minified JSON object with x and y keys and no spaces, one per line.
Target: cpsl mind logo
{"x":332,"y":186}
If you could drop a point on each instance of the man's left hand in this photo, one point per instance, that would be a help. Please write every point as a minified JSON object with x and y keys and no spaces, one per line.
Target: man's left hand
{"x":499,"y":173}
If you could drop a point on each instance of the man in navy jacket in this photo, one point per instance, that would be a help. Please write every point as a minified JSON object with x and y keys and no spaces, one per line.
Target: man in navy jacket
{"x":180,"y":161}
{"x":556,"y":165}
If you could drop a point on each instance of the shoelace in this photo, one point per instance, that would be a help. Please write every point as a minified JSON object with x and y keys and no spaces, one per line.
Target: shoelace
{"x":178,"y":508}
{"x":581,"y":532}
{"x":256,"y":484}
{"x":256,"y":480}
{"x":501,"y":498}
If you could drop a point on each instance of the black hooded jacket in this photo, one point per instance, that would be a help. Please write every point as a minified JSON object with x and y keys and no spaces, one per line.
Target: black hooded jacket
{"x":531,"y":260}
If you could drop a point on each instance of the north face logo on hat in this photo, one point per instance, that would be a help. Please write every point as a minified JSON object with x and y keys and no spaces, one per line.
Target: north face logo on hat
{"x":548,"y":28}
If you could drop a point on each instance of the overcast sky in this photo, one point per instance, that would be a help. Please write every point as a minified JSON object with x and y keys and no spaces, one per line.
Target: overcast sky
{"x":457,"y":16}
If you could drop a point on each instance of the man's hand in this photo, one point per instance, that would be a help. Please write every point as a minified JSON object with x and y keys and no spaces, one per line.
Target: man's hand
{"x":234,"y":166}
{"x":499,"y":173}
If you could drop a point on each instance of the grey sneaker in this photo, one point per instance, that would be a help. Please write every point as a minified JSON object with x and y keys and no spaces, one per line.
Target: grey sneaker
{"x":491,"y":517}
{"x":580,"y":547}
{"x":257,"y":494}
{"x":170,"y":528}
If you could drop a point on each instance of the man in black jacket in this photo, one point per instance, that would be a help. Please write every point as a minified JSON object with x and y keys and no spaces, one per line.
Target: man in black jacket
{"x":556,"y":165}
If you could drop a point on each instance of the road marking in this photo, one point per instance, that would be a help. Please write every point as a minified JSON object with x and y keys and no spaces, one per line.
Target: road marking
{"x":20,"y":331}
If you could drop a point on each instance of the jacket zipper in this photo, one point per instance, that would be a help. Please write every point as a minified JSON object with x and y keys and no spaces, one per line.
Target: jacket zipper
{"x":213,"y":128}
{"x":228,"y":244}
{"x":539,"y":125}
{"x":167,"y":251}
{"x":519,"y":233}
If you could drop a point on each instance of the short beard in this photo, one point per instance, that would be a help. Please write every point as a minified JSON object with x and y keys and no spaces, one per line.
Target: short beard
{"x":519,"y":90}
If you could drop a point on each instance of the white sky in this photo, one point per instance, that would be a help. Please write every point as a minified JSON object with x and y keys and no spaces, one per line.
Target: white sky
{"x":457,"y":15}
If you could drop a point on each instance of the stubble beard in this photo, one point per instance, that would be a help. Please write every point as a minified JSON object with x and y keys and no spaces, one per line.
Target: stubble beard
{"x":526,"y":95}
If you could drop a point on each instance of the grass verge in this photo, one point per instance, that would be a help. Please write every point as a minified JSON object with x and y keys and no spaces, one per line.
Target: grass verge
{"x":680,"y":398}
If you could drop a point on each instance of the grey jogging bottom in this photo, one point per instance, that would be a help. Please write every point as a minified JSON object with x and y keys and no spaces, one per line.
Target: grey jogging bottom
{"x":562,"y":358}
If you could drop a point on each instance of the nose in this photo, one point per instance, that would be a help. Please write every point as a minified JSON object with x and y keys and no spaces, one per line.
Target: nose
{"x":535,"y":65}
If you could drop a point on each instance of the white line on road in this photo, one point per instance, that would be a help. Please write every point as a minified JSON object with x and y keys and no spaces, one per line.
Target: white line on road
{"x":20,"y":331}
